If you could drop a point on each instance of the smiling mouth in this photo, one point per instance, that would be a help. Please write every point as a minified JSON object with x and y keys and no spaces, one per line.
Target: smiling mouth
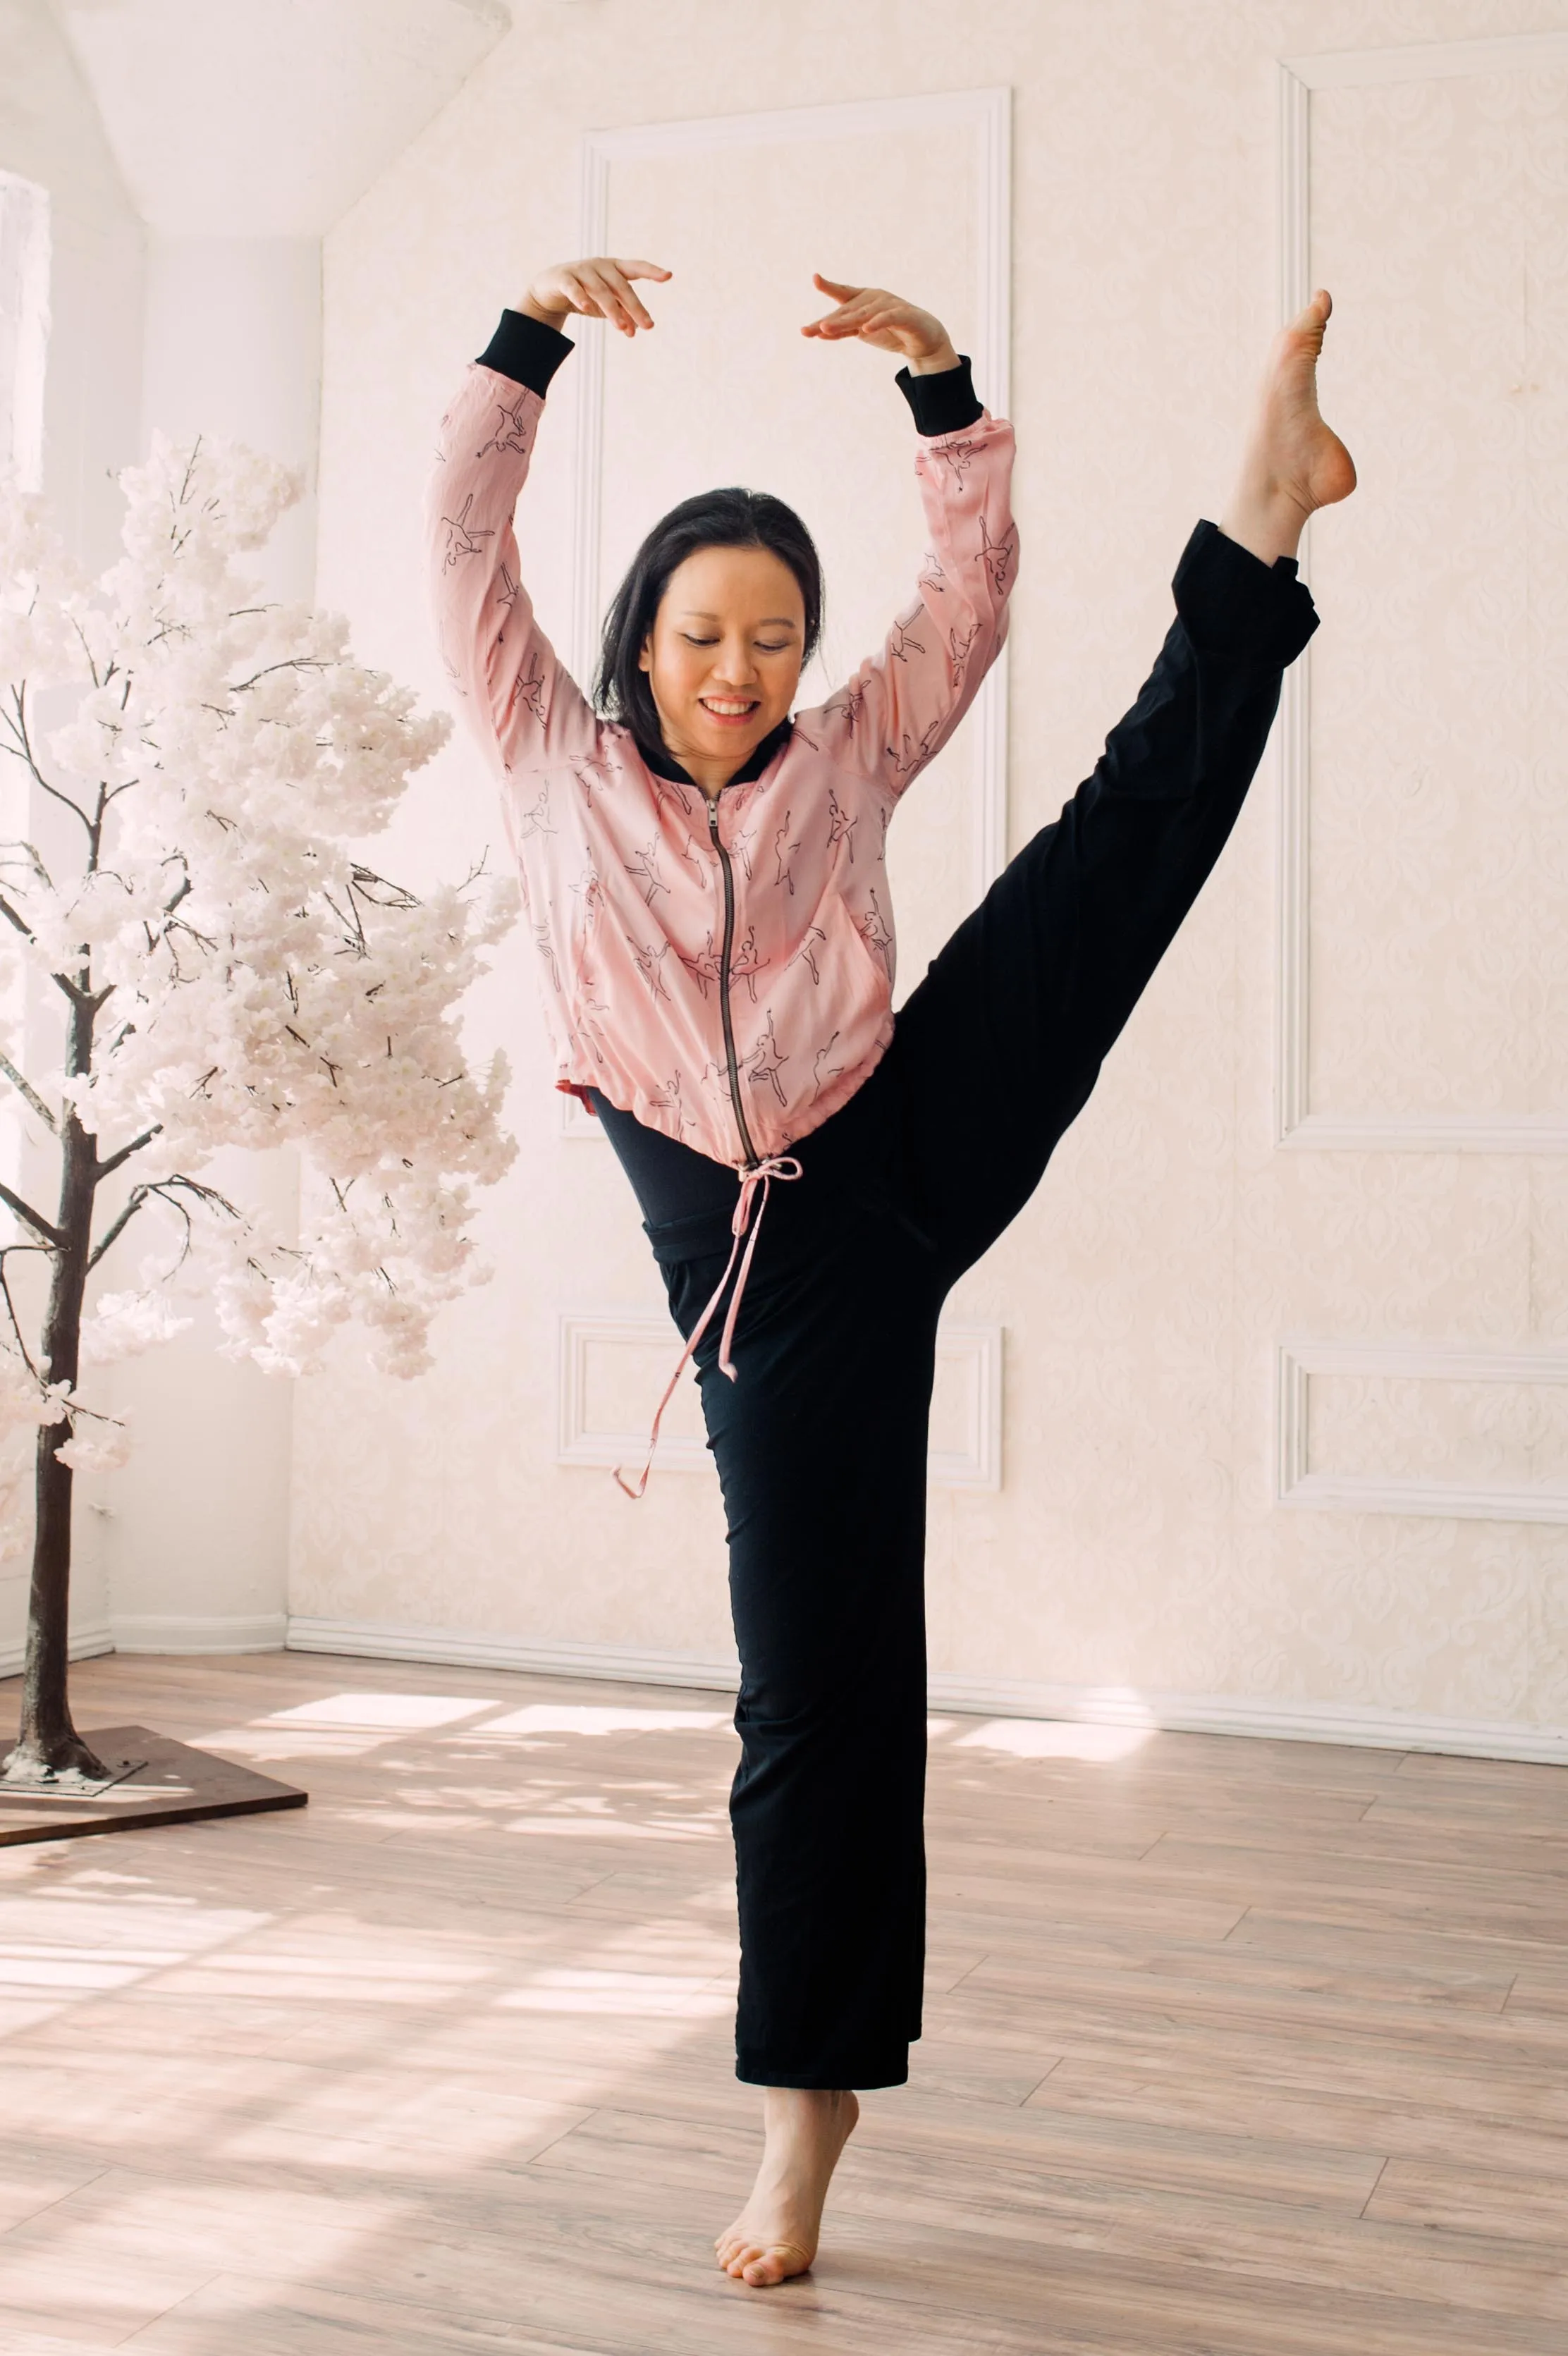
{"x":730,"y":712}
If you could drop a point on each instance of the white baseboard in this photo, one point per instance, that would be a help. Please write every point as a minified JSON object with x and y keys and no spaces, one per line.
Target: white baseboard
{"x":182,"y":1631}
{"x":468,"y":1649}
{"x":86,"y":1644}
{"x":1351,"y":1723}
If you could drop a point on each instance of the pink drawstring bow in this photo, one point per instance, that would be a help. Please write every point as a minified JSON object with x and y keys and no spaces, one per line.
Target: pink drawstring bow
{"x":778,"y":1165}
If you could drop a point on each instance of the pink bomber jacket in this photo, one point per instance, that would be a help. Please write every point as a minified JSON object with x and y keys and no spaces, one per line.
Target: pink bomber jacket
{"x":723,"y":970}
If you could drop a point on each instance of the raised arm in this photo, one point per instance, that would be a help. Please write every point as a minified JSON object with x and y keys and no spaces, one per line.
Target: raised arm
{"x":902,"y":705}
{"x":519,"y":695}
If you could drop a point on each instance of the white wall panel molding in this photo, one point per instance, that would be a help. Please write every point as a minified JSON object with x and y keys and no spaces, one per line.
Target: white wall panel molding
{"x":1296,"y":1483}
{"x":1296,"y":1124}
{"x":1116,"y":1706}
{"x":184,"y":1632}
{"x":1431,"y":62}
{"x":970,"y":1352}
{"x":988,"y":115}
{"x":24,"y":326}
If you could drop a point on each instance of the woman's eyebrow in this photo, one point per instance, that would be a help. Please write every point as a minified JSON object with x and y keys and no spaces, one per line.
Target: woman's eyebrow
{"x":772,"y":622}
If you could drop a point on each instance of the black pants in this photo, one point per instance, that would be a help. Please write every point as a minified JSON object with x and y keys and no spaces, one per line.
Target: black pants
{"x":821,"y":1442}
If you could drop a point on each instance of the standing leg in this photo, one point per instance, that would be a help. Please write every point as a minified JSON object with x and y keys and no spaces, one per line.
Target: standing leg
{"x":1003,"y":1039}
{"x":821,"y":1448}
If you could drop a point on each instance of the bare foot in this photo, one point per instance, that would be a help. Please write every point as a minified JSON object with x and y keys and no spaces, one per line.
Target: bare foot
{"x":1294,"y":463}
{"x":776,"y":2233}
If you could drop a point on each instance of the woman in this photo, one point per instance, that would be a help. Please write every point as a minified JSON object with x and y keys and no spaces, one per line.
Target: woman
{"x":706,"y":887}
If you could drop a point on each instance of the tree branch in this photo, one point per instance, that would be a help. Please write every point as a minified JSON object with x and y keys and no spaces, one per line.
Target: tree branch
{"x":31,"y":1218}
{"x":21,"y":750}
{"x":11,"y":1306}
{"x":11,"y":917}
{"x":125,"y":1152}
{"x":25,"y":1088}
{"x":117,"y":1227}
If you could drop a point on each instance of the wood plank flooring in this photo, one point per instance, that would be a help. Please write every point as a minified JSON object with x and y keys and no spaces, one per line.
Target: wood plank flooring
{"x":1233,"y":2048}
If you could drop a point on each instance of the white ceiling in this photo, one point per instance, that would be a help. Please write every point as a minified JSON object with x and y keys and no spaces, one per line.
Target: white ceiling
{"x":268,"y":118}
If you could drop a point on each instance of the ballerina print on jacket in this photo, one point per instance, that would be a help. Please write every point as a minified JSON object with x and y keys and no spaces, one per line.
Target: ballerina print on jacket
{"x":959,"y":455}
{"x":650,"y":964}
{"x":824,"y":1072}
{"x":784,"y":853}
{"x":594,"y":777}
{"x":840,"y":825}
{"x":741,"y":845}
{"x":806,"y":954}
{"x":958,"y":645}
{"x":514,"y":432}
{"x":461,"y":541}
{"x":902,"y":643}
{"x":644,"y":870}
{"x":847,"y":705}
{"x":706,"y":967}
{"x":669,"y":1100}
{"x":748,"y":963}
{"x":764,"y":1064}
{"x":528,"y":688}
{"x":915,"y":756}
{"x":546,"y":948}
{"x":535,"y":818}
{"x":877,"y":935}
{"x":589,"y":893}
{"x":997,"y":556}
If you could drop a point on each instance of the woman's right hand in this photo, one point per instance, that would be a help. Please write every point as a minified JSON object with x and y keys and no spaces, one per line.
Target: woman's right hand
{"x":601,"y":287}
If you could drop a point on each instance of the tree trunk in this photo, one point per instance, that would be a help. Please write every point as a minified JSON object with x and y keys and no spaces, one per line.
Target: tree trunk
{"x":49,"y":1744}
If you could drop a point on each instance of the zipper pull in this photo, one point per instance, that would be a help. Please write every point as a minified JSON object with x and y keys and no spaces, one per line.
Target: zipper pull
{"x":713,"y":822}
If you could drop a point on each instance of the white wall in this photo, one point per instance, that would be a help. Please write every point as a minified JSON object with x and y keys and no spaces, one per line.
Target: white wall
{"x":51,"y":136}
{"x":1135,"y":1556}
{"x":197,"y":1523}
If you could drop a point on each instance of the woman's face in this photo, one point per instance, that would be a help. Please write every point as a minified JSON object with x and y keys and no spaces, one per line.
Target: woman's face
{"x":724,"y":655}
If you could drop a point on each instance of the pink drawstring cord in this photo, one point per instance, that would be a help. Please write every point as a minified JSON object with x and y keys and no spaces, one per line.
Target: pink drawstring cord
{"x":778,"y":1165}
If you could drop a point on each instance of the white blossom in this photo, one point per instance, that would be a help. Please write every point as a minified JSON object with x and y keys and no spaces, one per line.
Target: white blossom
{"x":122,"y":1323}
{"x":97,"y":1447}
{"x":263,"y":983}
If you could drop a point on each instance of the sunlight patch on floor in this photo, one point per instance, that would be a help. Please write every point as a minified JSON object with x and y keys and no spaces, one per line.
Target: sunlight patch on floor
{"x":393,"y":1713}
{"x":584,"y":1718}
{"x":1031,"y":1738}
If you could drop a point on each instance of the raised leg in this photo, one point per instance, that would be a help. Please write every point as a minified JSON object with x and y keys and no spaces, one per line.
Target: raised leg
{"x":999,"y":1047}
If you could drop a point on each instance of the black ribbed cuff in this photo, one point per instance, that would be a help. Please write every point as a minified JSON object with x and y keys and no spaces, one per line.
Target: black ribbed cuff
{"x":1232,"y":603}
{"x":526,"y":350}
{"x":942,"y":403}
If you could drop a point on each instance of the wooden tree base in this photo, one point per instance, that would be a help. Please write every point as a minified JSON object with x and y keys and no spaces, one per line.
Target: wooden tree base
{"x":154,"y":1781}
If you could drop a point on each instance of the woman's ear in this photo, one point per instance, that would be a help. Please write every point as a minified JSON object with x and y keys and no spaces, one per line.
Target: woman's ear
{"x":645,"y":659}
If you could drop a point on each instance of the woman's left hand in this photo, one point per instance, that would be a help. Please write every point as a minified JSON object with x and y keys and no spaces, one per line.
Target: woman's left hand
{"x":875,"y":317}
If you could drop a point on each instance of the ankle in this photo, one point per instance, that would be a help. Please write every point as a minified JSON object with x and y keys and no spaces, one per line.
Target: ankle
{"x":1266,"y":521}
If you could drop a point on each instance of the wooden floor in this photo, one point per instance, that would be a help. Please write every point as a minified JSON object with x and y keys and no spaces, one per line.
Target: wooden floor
{"x":1242,"y":2047}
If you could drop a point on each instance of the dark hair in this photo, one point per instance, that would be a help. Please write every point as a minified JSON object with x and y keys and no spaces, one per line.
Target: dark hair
{"x":727,"y":519}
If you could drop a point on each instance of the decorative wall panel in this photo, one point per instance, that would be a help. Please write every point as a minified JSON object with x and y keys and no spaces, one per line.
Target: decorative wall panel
{"x":1423,"y":922}
{"x":613,"y":1369}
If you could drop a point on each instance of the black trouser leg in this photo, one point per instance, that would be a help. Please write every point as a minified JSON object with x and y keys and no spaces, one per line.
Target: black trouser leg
{"x":998,"y":1047}
{"x":821,"y":1447}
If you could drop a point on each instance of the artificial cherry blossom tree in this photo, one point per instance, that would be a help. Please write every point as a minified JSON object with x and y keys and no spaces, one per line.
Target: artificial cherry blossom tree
{"x":226,"y":971}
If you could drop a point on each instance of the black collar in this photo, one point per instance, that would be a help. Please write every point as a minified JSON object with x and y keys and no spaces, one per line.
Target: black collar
{"x":664,"y":763}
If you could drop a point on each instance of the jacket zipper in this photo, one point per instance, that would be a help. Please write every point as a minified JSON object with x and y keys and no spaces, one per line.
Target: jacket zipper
{"x":725,"y":955}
